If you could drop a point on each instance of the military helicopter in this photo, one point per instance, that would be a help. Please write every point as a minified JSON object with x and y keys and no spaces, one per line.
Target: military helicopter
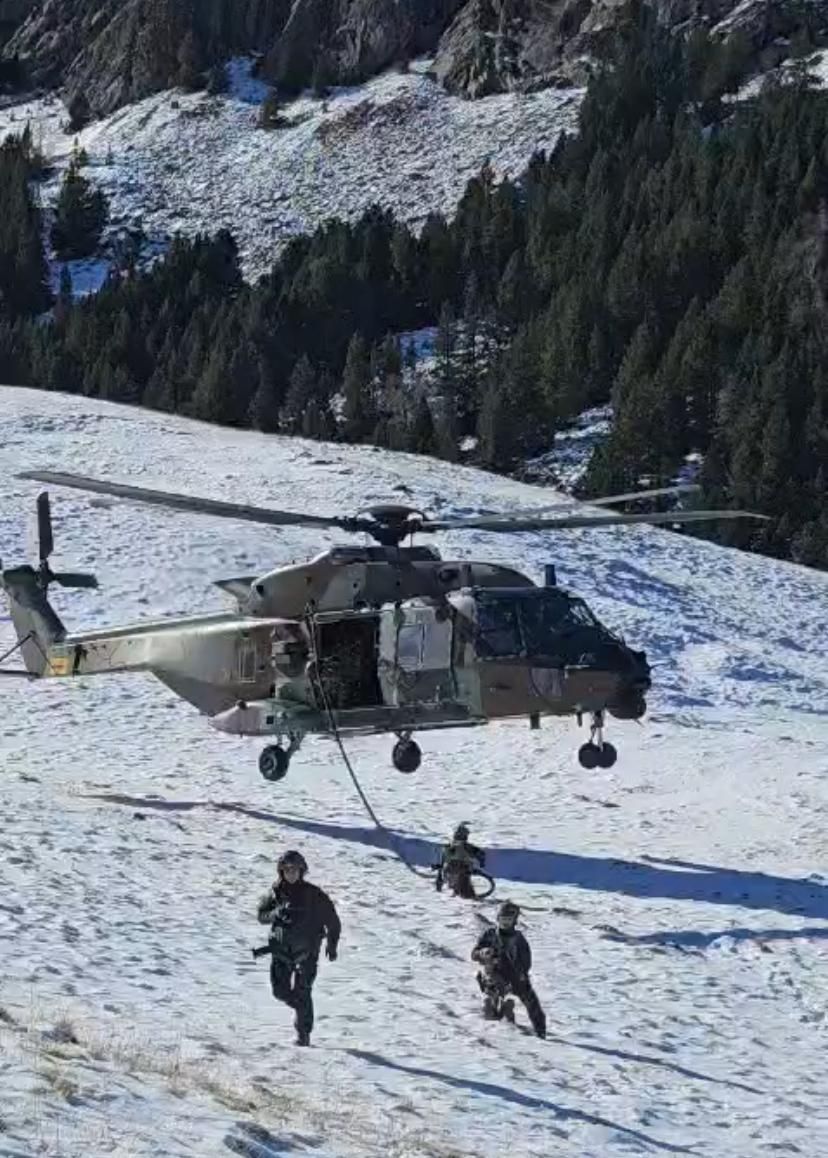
{"x":371,"y":639}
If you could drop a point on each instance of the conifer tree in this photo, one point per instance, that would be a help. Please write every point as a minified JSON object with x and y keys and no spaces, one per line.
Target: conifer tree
{"x":217,"y":80}
{"x":358,"y":410}
{"x":270,"y":114}
{"x":302,"y":390}
{"x":266,"y":401}
{"x":80,"y":215}
{"x":79,"y":112}
{"x":422,"y":437}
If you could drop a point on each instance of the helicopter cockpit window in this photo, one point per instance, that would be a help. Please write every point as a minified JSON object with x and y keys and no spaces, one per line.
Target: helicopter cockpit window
{"x":537,"y":624}
{"x":541,"y":621}
{"x":546,"y":620}
{"x":580,"y":615}
{"x":410,"y":646}
{"x":498,"y":630}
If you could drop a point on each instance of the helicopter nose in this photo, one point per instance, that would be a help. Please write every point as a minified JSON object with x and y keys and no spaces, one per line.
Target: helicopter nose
{"x":630,"y":704}
{"x":641,"y":668}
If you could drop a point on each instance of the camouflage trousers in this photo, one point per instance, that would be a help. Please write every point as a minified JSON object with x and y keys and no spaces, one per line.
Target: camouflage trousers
{"x":291,"y":979}
{"x":497,"y":986}
{"x":458,"y":879}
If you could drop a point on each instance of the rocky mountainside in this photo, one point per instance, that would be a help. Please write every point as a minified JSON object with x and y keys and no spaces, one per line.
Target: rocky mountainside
{"x":116,"y":51}
{"x":494,"y":45}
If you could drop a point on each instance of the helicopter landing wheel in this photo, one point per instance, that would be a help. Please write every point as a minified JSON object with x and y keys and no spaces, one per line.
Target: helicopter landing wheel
{"x":607,"y":755}
{"x":596,"y":753}
{"x":594,"y":756}
{"x":274,"y":762}
{"x":588,"y":755}
{"x":406,"y":756}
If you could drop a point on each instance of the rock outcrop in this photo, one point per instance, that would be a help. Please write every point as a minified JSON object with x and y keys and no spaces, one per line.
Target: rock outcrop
{"x":116,"y":51}
{"x":497,"y":45}
{"x":348,"y":40}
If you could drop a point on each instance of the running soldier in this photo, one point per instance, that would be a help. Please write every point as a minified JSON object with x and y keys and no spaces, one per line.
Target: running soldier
{"x":301,"y":915}
{"x":506,"y":959}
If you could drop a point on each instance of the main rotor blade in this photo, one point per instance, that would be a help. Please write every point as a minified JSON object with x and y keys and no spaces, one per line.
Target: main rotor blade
{"x":512,"y":526}
{"x":603,"y":501}
{"x":196,"y":505}
{"x":608,"y":500}
{"x":45,"y":539}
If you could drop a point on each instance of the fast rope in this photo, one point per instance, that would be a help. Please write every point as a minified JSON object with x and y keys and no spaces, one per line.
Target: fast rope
{"x":320,"y":686}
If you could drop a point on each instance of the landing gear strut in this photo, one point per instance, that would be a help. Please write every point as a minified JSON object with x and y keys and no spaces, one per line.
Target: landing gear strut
{"x":406,"y":755}
{"x":597,"y":753}
{"x":274,"y":760}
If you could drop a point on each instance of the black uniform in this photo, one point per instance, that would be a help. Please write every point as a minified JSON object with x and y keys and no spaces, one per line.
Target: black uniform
{"x":458,"y":859}
{"x":301,"y":915}
{"x":506,"y":959}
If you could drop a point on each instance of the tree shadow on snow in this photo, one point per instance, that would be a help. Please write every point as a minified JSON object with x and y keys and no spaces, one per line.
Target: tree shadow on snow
{"x":514,"y":1097}
{"x":649,"y":1060}
{"x":649,"y":878}
{"x":691,"y":940}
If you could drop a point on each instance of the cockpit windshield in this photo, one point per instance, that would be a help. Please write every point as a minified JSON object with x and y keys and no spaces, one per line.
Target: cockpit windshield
{"x":529,"y":622}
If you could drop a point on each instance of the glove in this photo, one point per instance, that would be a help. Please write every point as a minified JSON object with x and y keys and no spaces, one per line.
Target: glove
{"x":330,"y":951}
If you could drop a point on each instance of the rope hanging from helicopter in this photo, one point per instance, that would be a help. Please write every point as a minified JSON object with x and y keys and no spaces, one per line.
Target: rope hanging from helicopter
{"x":323,"y":695}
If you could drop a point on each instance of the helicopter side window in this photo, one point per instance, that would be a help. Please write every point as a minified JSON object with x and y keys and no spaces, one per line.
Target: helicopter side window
{"x":410,"y":646}
{"x":498,"y":631}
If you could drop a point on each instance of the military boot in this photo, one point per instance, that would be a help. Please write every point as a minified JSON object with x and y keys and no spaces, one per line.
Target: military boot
{"x":490,"y":1009}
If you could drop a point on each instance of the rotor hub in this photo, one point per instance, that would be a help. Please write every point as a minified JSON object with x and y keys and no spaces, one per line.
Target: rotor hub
{"x":392,"y":523}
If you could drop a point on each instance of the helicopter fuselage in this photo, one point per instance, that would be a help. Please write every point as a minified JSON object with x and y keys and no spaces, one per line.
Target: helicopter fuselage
{"x":380,"y":638}
{"x":354,"y":643}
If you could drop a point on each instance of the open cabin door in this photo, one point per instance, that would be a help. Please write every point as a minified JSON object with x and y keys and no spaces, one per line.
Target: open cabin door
{"x":415,"y":656}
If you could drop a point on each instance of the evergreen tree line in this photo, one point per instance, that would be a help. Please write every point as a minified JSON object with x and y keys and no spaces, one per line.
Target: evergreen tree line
{"x":23,"y":276}
{"x":670,"y":258}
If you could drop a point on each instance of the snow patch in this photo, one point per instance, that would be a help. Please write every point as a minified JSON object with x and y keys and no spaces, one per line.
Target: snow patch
{"x":676,"y":905}
{"x":188,"y":163}
{"x":566,"y":463}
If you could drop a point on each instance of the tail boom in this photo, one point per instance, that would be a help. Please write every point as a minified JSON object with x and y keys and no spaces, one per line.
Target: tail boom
{"x":36,"y":622}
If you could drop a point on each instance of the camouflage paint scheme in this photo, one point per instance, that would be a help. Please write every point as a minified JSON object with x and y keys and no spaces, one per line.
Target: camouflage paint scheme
{"x":249,"y":671}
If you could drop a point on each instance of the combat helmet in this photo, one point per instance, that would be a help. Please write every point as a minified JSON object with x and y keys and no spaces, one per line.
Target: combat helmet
{"x":292,"y":857}
{"x":507,"y":915}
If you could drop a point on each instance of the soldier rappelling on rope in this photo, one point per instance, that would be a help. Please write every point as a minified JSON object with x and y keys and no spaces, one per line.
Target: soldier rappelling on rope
{"x":301,"y":915}
{"x":506,"y":959}
{"x":459,"y":861}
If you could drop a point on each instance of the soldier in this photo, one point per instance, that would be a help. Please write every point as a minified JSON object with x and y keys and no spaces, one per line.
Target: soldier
{"x":300,"y":915}
{"x":457,"y":861}
{"x":506,"y":959}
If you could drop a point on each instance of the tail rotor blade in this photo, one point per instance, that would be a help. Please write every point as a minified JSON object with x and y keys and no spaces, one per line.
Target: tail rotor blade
{"x":74,"y":579}
{"x":45,"y":538}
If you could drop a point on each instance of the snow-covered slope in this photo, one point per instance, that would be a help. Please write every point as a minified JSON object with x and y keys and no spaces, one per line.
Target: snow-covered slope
{"x":677,"y":905}
{"x":190,"y":163}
